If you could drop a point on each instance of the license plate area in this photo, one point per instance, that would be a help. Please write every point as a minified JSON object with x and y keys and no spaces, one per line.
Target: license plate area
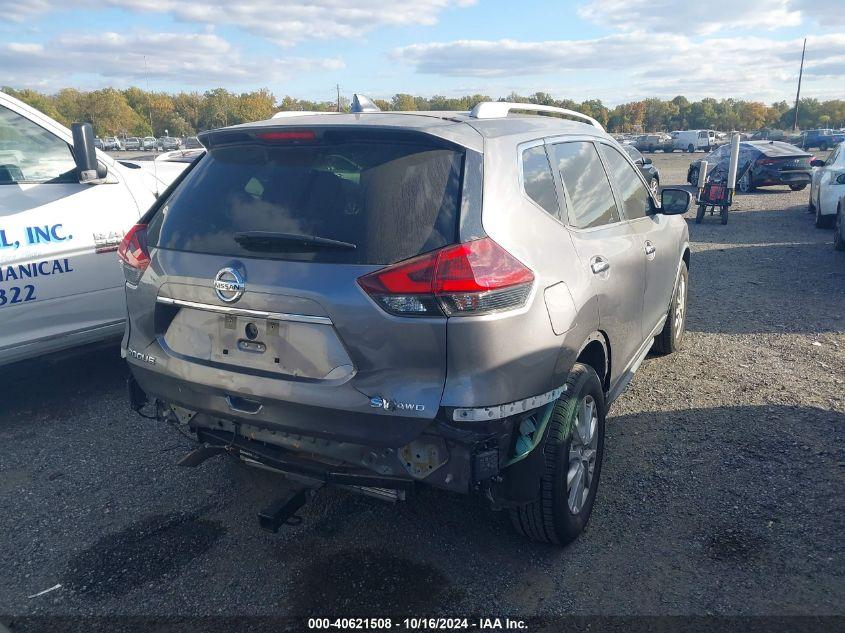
{"x":287,"y":348}
{"x":249,"y":341}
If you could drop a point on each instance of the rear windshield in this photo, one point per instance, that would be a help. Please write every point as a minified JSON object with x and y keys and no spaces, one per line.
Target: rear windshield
{"x":392,"y":199}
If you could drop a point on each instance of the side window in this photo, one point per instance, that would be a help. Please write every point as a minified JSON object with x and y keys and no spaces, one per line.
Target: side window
{"x":834,"y":154}
{"x":634,"y":195}
{"x":29,"y":153}
{"x":537,"y":179}
{"x":586,"y":183}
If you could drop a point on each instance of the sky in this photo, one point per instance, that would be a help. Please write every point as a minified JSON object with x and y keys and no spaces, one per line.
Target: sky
{"x":613,"y":50}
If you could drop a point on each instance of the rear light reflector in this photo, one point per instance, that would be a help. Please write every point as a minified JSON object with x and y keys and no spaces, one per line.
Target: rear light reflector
{"x":133,"y":253}
{"x":472,"y":278}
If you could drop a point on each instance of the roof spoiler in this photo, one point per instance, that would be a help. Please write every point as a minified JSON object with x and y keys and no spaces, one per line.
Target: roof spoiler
{"x":500,"y":110}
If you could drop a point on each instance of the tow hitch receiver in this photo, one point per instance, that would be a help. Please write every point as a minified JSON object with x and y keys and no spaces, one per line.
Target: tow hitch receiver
{"x":284,"y":510}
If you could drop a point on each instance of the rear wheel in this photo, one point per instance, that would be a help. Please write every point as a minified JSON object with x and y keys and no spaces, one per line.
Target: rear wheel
{"x":699,"y":215}
{"x":823,"y":146}
{"x":824,"y":221}
{"x":723,"y":212}
{"x":654,"y":186}
{"x":839,"y":234}
{"x":573,"y":449}
{"x":800,"y":187}
{"x":690,"y":148}
{"x":746,"y":183}
{"x":671,"y":337}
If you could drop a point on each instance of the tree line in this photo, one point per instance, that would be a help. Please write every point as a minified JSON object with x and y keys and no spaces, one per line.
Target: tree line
{"x":136,"y":112}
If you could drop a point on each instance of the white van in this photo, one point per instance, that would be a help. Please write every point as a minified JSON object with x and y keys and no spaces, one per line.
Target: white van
{"x":64,"y":207}
{"x":694,"y":140}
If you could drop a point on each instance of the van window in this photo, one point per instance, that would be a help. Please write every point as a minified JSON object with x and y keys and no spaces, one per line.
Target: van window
{"x":702,"y":135}
{"x":631,"y":190}
{"x":586,"y":184}
{"x":31,"y":154}
{"x":391,"y":199}
{"x":537,"y":179}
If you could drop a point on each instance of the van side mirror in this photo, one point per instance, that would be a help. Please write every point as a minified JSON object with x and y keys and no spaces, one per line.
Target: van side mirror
{"x":88,"y":168}
{"x":674,"y":201}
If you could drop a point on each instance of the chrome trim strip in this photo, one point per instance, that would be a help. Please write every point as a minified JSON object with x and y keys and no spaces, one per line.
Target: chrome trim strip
{"x":479,"y":414}
{"x":259,"y":314}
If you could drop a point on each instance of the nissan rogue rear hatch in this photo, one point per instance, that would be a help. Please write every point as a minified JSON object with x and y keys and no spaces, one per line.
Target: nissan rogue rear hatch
{"x":259,"y":250}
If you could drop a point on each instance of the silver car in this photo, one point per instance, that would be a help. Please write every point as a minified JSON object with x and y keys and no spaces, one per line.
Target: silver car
{"x":379,"y":300}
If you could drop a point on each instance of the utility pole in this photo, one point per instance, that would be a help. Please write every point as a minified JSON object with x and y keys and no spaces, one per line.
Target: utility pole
{"x":338,"y":96}
{"x":798,"y":94}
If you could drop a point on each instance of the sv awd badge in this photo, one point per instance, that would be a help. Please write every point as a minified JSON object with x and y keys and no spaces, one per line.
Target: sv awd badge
{"x":389,"y":405}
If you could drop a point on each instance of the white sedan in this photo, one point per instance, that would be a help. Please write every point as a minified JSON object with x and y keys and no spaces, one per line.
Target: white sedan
{"x":827,"y":186}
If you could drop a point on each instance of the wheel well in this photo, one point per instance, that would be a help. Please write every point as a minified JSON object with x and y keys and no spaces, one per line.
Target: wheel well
{"x":595,"y":355}
{"x":686,"y":257}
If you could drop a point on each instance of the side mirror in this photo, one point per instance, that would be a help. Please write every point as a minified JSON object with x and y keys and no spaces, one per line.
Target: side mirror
{"x":840,"y":179}
{"x":85,"y":154}
{"x":646,"y":160}
{"x":674,"y":201}
{"x":817,"y":162}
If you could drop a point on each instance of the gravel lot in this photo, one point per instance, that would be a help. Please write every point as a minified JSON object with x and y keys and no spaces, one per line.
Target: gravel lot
{"x":721,"y":493}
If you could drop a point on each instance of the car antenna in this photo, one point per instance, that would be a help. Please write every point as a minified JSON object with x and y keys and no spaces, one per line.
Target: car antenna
{"x":152,"y":130}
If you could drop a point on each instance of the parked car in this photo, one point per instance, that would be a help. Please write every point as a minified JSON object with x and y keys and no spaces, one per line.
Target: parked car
{"x":761,"y":163}
{"x":192,"y":142}
{"x":419,"y":332}
{"x":98,"y":143}
{"x":112,"y":144}
{"x":827,"y":186}
{"x":768,"y":134}
{"x":148,"y":143}
{"x":132,"y":143}
{"x":646,"y":167}
{"x":823,"y":139}
{"x":61,"y":223}
{"x":653,"y":142}
{"x":168,"y":143}
{"x":693,"y":140}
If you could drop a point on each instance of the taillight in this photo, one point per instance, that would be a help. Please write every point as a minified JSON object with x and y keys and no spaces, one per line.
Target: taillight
{"x":134,"y":254}
{"x":472,"y":278}
{"x":767,"y":161}
{"x":289,"y":135}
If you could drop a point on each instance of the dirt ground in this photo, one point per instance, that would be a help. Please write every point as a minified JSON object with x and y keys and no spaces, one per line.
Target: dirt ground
{"x":721,"y":492}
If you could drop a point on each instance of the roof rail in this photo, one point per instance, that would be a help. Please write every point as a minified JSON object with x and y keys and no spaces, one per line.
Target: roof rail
{"x":500,"y":109}
{"x":284,"y":114}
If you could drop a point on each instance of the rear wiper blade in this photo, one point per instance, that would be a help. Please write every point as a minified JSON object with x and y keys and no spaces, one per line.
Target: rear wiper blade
{"x":271,"y":241}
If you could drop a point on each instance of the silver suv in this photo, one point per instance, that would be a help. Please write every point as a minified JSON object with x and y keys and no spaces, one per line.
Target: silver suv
{"x":378,"y":300}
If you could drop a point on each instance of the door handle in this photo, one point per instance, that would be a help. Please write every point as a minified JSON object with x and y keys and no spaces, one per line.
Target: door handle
{"x":650,"y":248}
{"x":599,"y":264}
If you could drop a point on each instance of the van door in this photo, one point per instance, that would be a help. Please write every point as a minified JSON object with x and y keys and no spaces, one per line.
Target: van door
{"x":60,"y":283}
{"x":606,"y":246}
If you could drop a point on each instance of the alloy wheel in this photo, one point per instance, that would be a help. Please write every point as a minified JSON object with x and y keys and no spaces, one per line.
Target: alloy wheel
{"x":680,"y":307}
{"x":583,"y":450}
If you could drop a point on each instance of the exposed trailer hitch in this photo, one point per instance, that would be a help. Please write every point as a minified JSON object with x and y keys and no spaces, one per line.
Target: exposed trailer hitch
{"x":283,"y":511}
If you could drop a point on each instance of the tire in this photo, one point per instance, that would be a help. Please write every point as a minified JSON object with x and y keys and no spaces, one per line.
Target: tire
{"x":693,"y":177}
{"x":798,"y":187}
{"x":838,"y":238}
{"x":746,"y":183}
{"x":699,"y":214}
{"x":822,"y":146}
{"x":824,"y":221}
{"x":671,"y":338}
{"x":690,"y":148}
{"x":723,"y":213}
{"x":559,"y":515}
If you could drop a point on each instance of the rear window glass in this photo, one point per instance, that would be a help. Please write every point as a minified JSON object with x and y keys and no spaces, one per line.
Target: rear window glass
{"x":537,"y":179}
{"x":391,"y":199}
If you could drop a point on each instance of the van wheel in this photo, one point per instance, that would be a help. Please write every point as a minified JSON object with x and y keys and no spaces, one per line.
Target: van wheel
{"x":690,"y":148}
{"x":671,"y":338}
{"x":573,"y":450}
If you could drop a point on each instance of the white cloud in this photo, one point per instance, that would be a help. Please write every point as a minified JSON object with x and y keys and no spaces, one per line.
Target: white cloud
{"x":690,"y":16}
{"x":658,"y":64}
{"x":184,"y":59}
{"x":284,"y":22}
